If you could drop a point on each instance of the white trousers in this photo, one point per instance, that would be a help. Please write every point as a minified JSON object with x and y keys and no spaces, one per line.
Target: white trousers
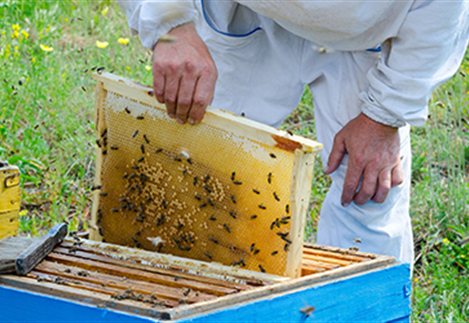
{"x":263,"y":76}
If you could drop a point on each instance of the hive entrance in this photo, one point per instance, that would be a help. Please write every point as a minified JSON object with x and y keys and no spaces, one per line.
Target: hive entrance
{"x":224,"y":190}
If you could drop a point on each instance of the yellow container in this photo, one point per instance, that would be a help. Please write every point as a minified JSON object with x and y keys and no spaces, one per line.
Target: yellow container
{"x":9,"y":199}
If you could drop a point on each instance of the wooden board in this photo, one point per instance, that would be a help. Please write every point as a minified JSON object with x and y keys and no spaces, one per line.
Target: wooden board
{"x":9,"y":200}
{"x":164,"y":286}
{"x":228,"y":190}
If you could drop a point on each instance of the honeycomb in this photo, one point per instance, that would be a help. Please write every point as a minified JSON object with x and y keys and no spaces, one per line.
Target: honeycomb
{"x":201,"y":192}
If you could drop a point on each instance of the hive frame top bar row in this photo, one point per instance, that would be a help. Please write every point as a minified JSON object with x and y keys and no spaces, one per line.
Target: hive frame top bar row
{"x":214,"y":117}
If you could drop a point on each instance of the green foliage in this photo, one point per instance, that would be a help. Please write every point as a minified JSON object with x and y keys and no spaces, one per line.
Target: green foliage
{"x":48,"y":51}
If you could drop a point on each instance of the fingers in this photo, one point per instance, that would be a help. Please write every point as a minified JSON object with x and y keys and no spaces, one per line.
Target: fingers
{"x":336,"y":155}
{"x":202,"y":97}
{"x":352,"y":179}
{"x":384,"y":186}
{"x":170,"y":93}
{"x":158,"y":85}
{"x":368,"y":186}
{"x":184,"y":97}
{"x":397,"y":175}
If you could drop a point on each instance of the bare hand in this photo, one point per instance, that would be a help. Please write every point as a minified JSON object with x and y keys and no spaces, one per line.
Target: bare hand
{"x":373,"y":150}
{"x":184,"y":74}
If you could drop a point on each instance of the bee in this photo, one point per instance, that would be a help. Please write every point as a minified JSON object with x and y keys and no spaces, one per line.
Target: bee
{"x":212,"y":218}
{"x":233,"y":199}
{"x":127,"y":110}
{"x":115,"y":210}
{"x":290,"y":133}
{"x":307,"y":310}
{"x":209,"y":256}
{"x":285,"y":219}
{"x":99,"y":70}
{"x":357,"y":240}
{"x":276,"y":197}
{"x":253,"y":217}
{"x":237,"y":182}
{"x":197,"y":197}
{"x":210,"y":202}
{"x":158,"y":150}
{"x":262,"y":206}
{"x":98,"y":142}
{"x":140,"y":159}
{"x":256,"y":191}
{"x":146,"y":139}
{"x":286,"y":247}
{"x":82,"y":88}
{"x":103,"y":194}
{"x":195,"y":181}
{"x":269,"y":178}
{"x":261,"y":268}
{"x":287,"y":208}
{"x":201,"y":206}
{"x":233,"y":175}
{"x":206,"y":179}
{"x":178,"y":159}
{"x":96,"y":187}
{"x":251,"y":248}
{"x":273,"y":253}
{"x":135,"y":133}
{"x":275,"y":223}
{"x":240,"y":263}
{"x":272,"y":155}
{"x":215,"y":241}
{"x":150,"y":93}
{"x":114,"y":147}
{"x":243,"y":114}
{"x":140,"y":117}
{"x":104,"y":152}
{"x":353,"y":249}
{"x":256,"y":251}
{"x":207,"y":188}
{"x":142,"y":148}
{"x":226,"y":227}
{"x":189,"y":161}
{"x":233,"y":214}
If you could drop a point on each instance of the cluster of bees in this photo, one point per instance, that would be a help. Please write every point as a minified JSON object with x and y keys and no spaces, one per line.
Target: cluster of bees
{"x":165,"y":203}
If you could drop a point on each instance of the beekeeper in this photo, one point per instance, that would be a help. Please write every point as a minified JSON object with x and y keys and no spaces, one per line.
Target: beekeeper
{"x":371,"y":67}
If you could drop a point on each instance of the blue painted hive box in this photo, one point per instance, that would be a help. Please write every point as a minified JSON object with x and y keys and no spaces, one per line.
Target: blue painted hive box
{"x":90,"y":281}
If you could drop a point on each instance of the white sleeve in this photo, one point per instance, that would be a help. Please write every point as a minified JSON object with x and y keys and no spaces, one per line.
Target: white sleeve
{"x":427,"y":51}
{"x":151,"y":19}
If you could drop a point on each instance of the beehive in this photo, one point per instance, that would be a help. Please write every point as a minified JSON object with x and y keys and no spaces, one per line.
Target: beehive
{"x":10,"y":196}
{"x":228,"y":190}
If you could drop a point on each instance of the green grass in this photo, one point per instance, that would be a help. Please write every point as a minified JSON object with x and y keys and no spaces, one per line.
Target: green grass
{"x":47,"y":129}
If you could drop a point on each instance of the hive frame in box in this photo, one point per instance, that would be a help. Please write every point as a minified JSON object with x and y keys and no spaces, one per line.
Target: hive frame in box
{"x":278,"y":299}
{"x":302,"y":148}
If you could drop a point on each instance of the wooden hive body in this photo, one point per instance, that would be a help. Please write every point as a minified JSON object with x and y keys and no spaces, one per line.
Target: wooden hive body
{"x":95,"y":280}
{"x":228,"y":190}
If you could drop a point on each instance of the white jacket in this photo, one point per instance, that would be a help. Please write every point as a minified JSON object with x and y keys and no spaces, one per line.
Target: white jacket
{"x":427,"y":39}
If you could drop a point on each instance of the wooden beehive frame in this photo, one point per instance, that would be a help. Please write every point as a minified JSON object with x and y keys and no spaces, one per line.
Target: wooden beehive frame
{"x":302,"y":149}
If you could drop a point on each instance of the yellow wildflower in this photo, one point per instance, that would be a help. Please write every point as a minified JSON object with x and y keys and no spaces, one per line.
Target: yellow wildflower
{"x":16,"y":27}
{"x":123,"y":41}
{"x":148,"y":67}
{"x":15,"y":34}
{"x":127,"y":67}
{"x":66,"y":19}
{"x":25,"y":34}
{"x":46,"y":48}
{"x":23,"y":212}
{"x":16,"y":48}
{"x":33,"y":60}
{"x":47,"y":29}
{"x":102,"y":44}
{"x":445,"y":241}
{"x":104,"y":11}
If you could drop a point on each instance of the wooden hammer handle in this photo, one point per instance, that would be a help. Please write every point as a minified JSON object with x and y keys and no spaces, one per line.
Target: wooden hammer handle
{"x":39,"y":249}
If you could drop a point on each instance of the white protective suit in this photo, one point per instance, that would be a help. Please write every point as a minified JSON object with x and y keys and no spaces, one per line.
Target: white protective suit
{"x":382,"y":58}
